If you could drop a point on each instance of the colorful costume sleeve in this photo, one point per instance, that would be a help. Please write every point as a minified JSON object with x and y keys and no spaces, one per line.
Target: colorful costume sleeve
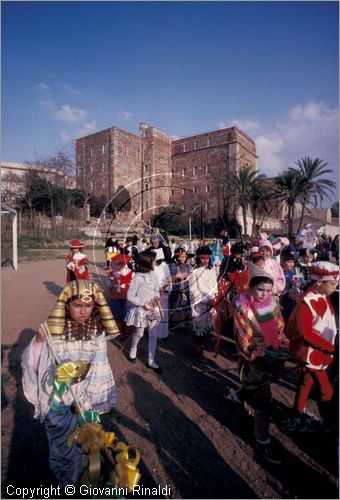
{"x":250,"y":342}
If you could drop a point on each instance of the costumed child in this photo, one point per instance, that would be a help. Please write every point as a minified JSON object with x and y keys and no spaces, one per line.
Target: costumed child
{"x":180,"y":271}
{"x":203,"y":288}
{"x":76,"y":262}
{"x":261,"y":344}
{"x":74,"y":334}
{"x":272,"y":267}
{"x":312,"y":331}
{"x":306,"y":258}
{"x":292,"y":290}
{"x":112,"y":248}
{"x":143,"y":307}
{"x":120,"y":275}
{"x":162,"y":271}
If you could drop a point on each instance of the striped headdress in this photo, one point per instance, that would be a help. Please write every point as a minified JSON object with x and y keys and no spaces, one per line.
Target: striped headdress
{"x":86,"y":291}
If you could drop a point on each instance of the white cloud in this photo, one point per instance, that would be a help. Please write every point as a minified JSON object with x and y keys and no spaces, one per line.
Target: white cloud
{"x":48,"y":103}
{"x":248,"y":125}
{"x":269,"y":148}
{"x":71,"y":89}
{"x":65,"y":136}
{"x":43,"y":87}
{"x":46,"y":100}
{"x":69,"y":114}
{"x":87,"y":128}
{"x":124,"y":115}
{"x":307,"y":130}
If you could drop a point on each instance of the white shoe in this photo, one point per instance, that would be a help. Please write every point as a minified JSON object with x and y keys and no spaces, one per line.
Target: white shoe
{"x":152,"y":364}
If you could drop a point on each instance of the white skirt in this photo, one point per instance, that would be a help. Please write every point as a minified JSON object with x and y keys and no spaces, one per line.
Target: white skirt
{"x":139,"y":317}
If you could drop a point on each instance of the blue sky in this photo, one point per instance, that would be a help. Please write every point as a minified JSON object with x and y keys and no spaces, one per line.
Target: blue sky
{"x":72,"y":68}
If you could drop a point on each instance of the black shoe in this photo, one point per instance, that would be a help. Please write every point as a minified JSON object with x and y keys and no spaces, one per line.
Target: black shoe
{"x":266,"y":451}
{"x":132,"y":360}
{"x":156,"y":370}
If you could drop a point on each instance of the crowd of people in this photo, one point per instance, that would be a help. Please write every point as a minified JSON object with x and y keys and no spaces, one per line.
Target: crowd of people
{"x":277,"y":295}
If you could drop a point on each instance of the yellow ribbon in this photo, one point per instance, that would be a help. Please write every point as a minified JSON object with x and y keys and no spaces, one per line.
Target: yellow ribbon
{"x":92,"y":438}
{"x":125,"y":473}
{"x":69,"y":370}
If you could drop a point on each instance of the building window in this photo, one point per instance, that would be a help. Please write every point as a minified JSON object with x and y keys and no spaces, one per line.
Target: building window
{"x":195,"y":144}
{"x":183,"y":191}
{"x":208,"y":142}
{"x":103,"y":149}
{"x":103,"y":167}
{"x":207,"y":189}
{"x":91,"y":185}
{"x":125,"y":150}
{"x":194,"y":170}
{"x":172,"y":173}
{"x":207,"y":169}
{"x":184,"y":148}
{"x":91,"y":152}
{"x":146,"y":168}
{"x":184,"y":171}
{"x":195,"y":189}
{"x":138,"y":154}
{"x":91,"y":169}
{"x":146,"y":205}
{"x":207,"y":207}
{"x":146,"y":187}
{"x":172,"y":192}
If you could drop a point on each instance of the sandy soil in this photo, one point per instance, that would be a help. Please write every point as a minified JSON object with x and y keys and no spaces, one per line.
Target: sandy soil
{"x":190,"y":436}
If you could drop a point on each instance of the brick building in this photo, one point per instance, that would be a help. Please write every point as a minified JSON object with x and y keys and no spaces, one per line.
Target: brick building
{"x":159,"y":171}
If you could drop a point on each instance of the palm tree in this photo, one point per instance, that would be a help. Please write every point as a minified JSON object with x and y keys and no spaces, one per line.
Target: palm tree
{"x":288,"y":188}
{"x":242,"y":185}
{"x":313,"y":188}
{"x":261,"y":199}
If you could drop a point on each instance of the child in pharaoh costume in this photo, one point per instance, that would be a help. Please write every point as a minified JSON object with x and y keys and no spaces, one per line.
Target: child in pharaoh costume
{"x":71,"y":342}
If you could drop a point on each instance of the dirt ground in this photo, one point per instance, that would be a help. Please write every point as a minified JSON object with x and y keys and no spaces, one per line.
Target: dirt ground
{"x":190,"y":435}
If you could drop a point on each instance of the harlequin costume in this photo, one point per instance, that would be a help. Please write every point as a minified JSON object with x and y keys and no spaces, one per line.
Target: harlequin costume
{"x":76,"y":262}
{"x":94,"y":389}
{"x":312,"y":330}
{"x":259,"y":338}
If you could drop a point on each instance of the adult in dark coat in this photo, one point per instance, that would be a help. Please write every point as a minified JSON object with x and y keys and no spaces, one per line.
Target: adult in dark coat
{"x":158,"y":241}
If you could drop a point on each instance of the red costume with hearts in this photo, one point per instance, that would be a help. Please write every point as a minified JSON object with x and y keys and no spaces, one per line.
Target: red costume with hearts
{"x":311,"y":331}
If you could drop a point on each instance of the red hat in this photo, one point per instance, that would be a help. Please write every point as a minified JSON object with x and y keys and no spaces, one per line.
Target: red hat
{"x":76,"y":244}
{"x":324,"y":270}
{"x":120,"y":259}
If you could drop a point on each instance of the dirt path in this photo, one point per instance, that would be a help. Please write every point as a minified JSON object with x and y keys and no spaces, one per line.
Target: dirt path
{"x":190,"y":436}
